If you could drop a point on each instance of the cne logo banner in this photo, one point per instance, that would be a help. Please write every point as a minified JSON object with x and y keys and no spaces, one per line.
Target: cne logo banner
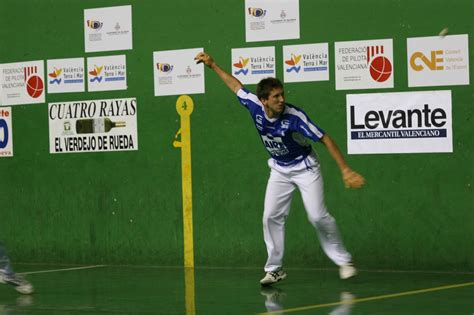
{"x":405,"y":122}
{"x":437,"y":61}
{"x":6,"y":132}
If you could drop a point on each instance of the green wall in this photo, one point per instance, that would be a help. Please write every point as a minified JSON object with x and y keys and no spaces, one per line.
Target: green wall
{"x":416,"y":211}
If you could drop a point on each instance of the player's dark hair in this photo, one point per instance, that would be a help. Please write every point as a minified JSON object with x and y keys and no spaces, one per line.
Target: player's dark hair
{"x":265,"y":86}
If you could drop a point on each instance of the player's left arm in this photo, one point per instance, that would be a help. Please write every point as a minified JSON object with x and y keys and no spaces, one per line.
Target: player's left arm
{"x":351,"y":178}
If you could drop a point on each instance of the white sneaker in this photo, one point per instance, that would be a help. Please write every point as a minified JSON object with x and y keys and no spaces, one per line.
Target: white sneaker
{"x":3,"y":274}
{"x":18,"y":282}
{"x":273,"y":277}
{"x":347,"y":271}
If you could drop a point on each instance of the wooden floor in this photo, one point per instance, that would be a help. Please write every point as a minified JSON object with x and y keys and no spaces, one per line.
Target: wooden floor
{"x":158,"y":290}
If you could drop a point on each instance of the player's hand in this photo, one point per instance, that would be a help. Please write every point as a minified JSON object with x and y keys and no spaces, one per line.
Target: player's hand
{"x":352,"y":179}
{"x":205,"y":58}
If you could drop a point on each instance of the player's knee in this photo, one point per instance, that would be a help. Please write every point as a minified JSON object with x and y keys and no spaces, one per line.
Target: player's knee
{"x":267,"y":219}
{"x":326,"y":220}
{"x":319,"y":216}
{"x":272,"y":218}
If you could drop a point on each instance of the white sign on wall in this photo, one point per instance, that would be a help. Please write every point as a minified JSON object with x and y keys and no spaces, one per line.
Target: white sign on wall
{"x":436,"y":60}
{"x":93,"y":126}
{"x":302,"y":63}
{"x":176,"y":72}
{"x":65,"y":75}
{"x":366,"y":64}
{"x":271,"y":20}
{"x":404,"y":122}
{"x":250,"y":65}
{"x":107,"y":73}
{"x":6,"y":132}
{"x":22,"y":83}
{"x":107,"y":29}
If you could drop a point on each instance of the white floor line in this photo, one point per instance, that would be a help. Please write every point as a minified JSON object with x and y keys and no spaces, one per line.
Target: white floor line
{"x":58,"y":270}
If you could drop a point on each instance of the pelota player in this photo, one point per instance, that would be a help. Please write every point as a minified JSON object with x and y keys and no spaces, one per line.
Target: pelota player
{"x":284,"y":129}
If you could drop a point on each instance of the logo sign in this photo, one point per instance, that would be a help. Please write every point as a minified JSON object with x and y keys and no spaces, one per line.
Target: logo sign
{"x":303,"y":63}
{"x":107,"y":73}
{"x":434,"y":61}
{"x":406,"y":122}
{"x":274,"y":145}
{"x":65,"y":75}
{"x":250,"y":65}
{"x":93,"y":126}
{"x":271,"y":20}
{"x":176,"y":72}
{"x":22,"y":83}
{"x":364,"y":64}
{"x":6,"y":135}
{"x":107,"y":29}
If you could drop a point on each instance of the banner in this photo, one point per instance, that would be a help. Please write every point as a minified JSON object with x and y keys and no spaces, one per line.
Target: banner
{"x":176,"y":72}
{"x":437,"y":60}
{"x":366,"y":64}
{"x":93,"y":126}
{"x":65,"y":75}
{"x":107,"y":29}
{"x":271,"y":20}
{"x":405,"y":122}
{"x":303,"y":63}
{"x":22,"y":83}
{"x":6,"y":132}
{"x":107,"y":73}
{"x":250,"y":65}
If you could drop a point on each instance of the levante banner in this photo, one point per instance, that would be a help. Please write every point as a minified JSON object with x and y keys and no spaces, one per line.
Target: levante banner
{"x":406,"y":122}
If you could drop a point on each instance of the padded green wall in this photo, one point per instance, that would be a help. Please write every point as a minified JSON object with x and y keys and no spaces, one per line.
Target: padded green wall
{"x":416,"y":211}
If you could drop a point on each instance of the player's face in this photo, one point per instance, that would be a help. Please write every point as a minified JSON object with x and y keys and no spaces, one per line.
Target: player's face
{"x":275,"y":103}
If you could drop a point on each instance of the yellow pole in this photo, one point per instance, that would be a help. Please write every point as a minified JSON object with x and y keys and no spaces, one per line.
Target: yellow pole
{"x":184,"y":107}
{"x":189,"y":288}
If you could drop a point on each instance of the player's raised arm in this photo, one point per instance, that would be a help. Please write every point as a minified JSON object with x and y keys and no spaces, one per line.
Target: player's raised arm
{"x":351,"y":178}
{"x":232,"y":82}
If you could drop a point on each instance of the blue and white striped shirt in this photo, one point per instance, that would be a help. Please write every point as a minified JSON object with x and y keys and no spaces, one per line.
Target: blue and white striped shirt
{"x":284,"y":137}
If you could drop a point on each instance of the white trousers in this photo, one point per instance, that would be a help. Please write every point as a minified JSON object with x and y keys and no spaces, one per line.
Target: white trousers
{"x":281,"y":184}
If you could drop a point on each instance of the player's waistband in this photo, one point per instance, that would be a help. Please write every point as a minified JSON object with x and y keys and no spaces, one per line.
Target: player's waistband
{"x":294,"y":161}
